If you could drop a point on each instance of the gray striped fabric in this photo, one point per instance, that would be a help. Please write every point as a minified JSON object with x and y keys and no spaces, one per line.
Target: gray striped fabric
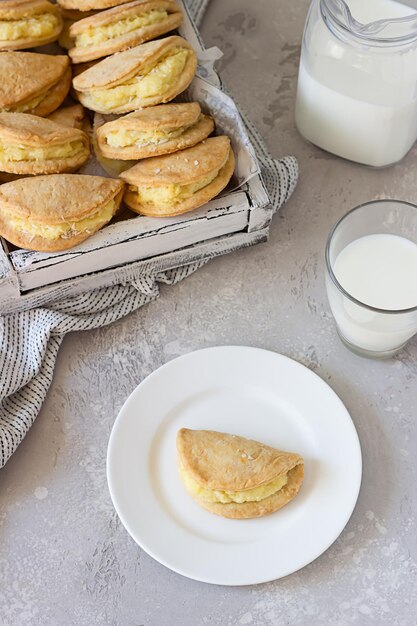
{"x":29,"y":341}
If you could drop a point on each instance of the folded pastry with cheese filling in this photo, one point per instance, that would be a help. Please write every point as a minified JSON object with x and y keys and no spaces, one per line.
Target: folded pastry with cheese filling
{"x":157,"y":130}
{"x":33,"y":145}
{"x":28,"y":23}
{"x":122,"y":27}
{"x":236,"y":477}
{"x":149,"y":74}
{"x":44,"y":81}
{"x":58,"y":211}
{"x":176,"y":183}
{"x":89,"y":5}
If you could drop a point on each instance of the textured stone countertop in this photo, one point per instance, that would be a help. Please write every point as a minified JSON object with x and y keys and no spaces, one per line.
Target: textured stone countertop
{"x":65,"y":558}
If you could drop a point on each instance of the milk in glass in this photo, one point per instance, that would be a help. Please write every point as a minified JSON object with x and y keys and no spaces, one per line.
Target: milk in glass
{"x":378,"y":270}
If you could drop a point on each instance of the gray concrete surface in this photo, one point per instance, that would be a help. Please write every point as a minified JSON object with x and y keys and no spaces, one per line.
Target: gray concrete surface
{"x":65,"y":559}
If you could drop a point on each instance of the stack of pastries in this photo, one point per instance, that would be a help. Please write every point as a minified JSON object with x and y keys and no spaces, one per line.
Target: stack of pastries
{"x":121,"y":60}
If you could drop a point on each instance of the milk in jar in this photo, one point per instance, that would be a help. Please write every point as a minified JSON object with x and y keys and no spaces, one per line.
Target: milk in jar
{"x":357,"y":84}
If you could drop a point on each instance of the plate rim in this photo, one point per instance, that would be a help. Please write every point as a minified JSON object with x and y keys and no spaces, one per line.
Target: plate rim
{"x":284,"y":358}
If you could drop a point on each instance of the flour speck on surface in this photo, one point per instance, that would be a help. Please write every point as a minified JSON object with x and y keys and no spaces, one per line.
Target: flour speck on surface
{"x":40,"y":493}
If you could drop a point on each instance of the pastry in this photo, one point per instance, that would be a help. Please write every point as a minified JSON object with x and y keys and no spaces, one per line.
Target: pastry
{"x":236,"y":477}
{"x":149,"y":74}
{"x":89,"y":5}
{"x":154,"y":131}
{"x":182,"y":181}
{"x":120,"y":28}
{"x":72,"y":116}
{"x":33,"y":145}
{"x":56,"y":212}
{"x":28,"y":23}
{"x":44,"y":81}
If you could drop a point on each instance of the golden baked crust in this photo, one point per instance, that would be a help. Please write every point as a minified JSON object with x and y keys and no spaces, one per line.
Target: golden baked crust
{"x":90,"y":5}
{"x":23,"y":132}
{"x":54,"y":97}
{"x":72,"y":116}
{"x":181,"y":168}
{"x":25,"y":76}
{"x":172,"y":115}
{"x":214,"y":460}
{"x":183,"y":117}
{"x":119,"y":68}
{"x":54,"y":200}
{"x":81,"y":54}
{"x":59,"y":197}
{"x":14,"y":10}
{"x":223,"y":462}
{"x":186,"y":166}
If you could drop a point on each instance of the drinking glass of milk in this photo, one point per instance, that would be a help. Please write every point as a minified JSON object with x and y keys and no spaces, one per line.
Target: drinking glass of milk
{"x":357,"y":83}
{"x":371,"y":277}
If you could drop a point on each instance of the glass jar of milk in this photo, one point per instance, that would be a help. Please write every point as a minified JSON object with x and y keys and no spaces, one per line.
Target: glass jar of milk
{"x":357,"y":84}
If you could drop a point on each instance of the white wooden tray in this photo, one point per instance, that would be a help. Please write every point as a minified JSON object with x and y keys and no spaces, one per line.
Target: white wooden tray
{"x":129,"y":248}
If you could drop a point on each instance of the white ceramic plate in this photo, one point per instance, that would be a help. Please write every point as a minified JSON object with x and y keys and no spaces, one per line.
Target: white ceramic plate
{"x":243,"y":391}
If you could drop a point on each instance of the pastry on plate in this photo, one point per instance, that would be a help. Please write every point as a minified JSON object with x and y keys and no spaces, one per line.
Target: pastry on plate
{"x":33,"y":145}
{"x":236,"y":477}
{"x":28,"y":23}
{"x":72,"y":116}
{"x":176,"y":183}
{"x":89,"y":5}
{"x":43,"y":82}
{"x":122,"y":27}
{"x":149,"y":74}
{"x":157,"y":130}
{"x":56,"y":212}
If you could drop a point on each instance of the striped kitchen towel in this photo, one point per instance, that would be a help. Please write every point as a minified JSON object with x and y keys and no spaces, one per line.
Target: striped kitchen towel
{"x":29,"y":341}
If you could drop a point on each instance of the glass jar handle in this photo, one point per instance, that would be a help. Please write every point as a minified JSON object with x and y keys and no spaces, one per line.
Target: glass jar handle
{"x":393,"y":30}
